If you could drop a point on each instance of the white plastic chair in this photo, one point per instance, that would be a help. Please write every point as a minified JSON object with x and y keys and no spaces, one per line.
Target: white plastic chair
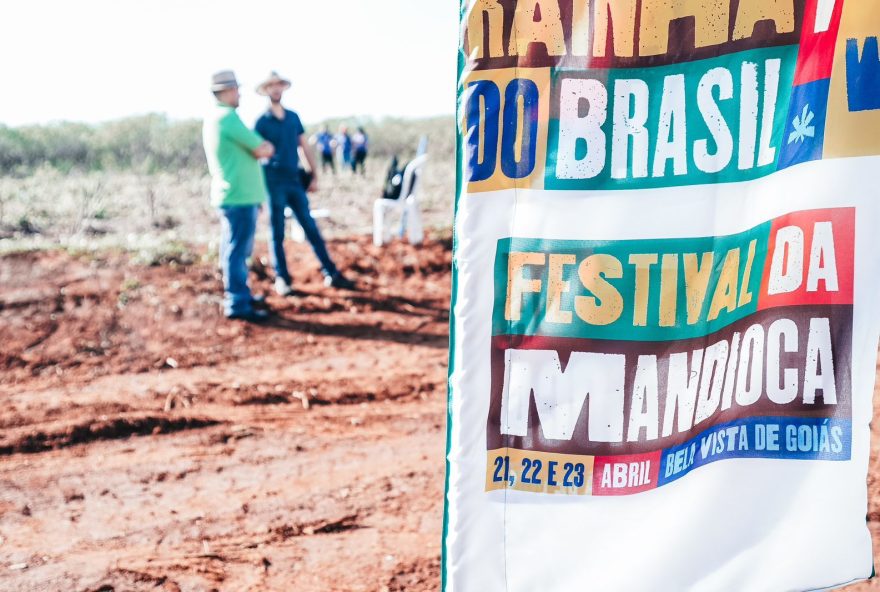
{"x":407,"y":205}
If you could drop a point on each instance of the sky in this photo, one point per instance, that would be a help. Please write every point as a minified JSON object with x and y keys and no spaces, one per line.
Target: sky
{"x":97,"y":60}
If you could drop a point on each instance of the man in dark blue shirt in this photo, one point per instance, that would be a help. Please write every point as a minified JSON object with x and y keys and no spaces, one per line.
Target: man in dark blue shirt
{"x":283,"y":128}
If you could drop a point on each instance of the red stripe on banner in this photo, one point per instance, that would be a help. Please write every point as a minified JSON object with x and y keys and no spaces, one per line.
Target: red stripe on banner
{"x":818,"y":38}
{"x":809,"y":259}
{"x":626,"y":474}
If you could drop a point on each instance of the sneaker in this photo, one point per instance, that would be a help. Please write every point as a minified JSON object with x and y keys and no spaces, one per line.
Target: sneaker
{"x":282,"y":288}
{"x":339,"y":281}
{"x":252,"y":316}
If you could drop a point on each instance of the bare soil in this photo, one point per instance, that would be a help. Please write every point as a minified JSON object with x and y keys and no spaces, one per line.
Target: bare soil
{"x":148,"y":444}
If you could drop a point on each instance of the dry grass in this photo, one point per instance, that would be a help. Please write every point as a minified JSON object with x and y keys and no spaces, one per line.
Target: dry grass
{"x":131,"y":210}
{"x":141,"y":183}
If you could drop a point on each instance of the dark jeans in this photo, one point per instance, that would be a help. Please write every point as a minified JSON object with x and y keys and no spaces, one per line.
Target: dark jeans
{"x":359,"y":161}
{"x":285,"y":191}
{"x":327,"y":161}
{"x":239,"y":224}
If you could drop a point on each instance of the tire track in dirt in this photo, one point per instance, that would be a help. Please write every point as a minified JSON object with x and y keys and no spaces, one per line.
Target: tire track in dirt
{"x":28,"y":441}
{"x":284,"y":532}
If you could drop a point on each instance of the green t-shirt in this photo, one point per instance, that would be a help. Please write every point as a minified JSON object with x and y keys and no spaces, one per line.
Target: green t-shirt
{"x":236,"y":176}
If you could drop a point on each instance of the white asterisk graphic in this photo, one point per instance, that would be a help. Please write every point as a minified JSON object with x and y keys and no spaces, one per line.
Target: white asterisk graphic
{"x":802,"y":127}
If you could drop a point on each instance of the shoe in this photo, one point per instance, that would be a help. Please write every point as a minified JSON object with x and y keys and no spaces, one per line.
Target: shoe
{"x":252,"y":316}
{"x":339,"y":281}
{"x":282,"y":288}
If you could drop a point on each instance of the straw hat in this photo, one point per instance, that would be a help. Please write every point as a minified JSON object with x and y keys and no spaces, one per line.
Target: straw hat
{"x":222,"y":80}
{"x":273,"y":78}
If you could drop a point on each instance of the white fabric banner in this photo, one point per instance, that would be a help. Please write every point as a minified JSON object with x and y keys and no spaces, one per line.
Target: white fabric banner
{"x":665,"y":273}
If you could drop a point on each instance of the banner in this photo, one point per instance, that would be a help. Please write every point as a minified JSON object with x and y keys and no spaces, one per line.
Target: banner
{"x":665,"y":279}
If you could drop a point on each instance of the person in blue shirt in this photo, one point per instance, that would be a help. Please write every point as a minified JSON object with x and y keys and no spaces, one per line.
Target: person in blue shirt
{"x":343,"y":147}
{"x":283,"y":128}
{"x":325,"y":144}
{"x":360,"y":143}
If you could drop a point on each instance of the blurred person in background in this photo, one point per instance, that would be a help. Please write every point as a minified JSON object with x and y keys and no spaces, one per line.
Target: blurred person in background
{"x":343,"y":147}
{"x":359,"y":143}
{"x":237,"y":189}
{"x":325,"y":143}
{"x":283,"y":128}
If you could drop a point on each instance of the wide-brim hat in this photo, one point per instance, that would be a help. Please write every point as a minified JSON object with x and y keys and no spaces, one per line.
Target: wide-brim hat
{"x":222,"y":80}
{"x":273,"y":78}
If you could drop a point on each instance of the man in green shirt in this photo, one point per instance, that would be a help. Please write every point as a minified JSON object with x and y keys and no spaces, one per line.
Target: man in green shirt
{"x":237,"y":189}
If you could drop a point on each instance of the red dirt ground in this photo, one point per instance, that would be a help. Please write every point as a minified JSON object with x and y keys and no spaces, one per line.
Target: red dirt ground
{"x":147,"y":444}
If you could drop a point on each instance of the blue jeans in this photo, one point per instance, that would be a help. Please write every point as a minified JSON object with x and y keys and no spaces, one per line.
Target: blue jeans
{"x":286,"y":192}
{"x":239,"y":225}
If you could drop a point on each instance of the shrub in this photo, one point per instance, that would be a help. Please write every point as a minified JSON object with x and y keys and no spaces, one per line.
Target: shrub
{"x":154,"y":143}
